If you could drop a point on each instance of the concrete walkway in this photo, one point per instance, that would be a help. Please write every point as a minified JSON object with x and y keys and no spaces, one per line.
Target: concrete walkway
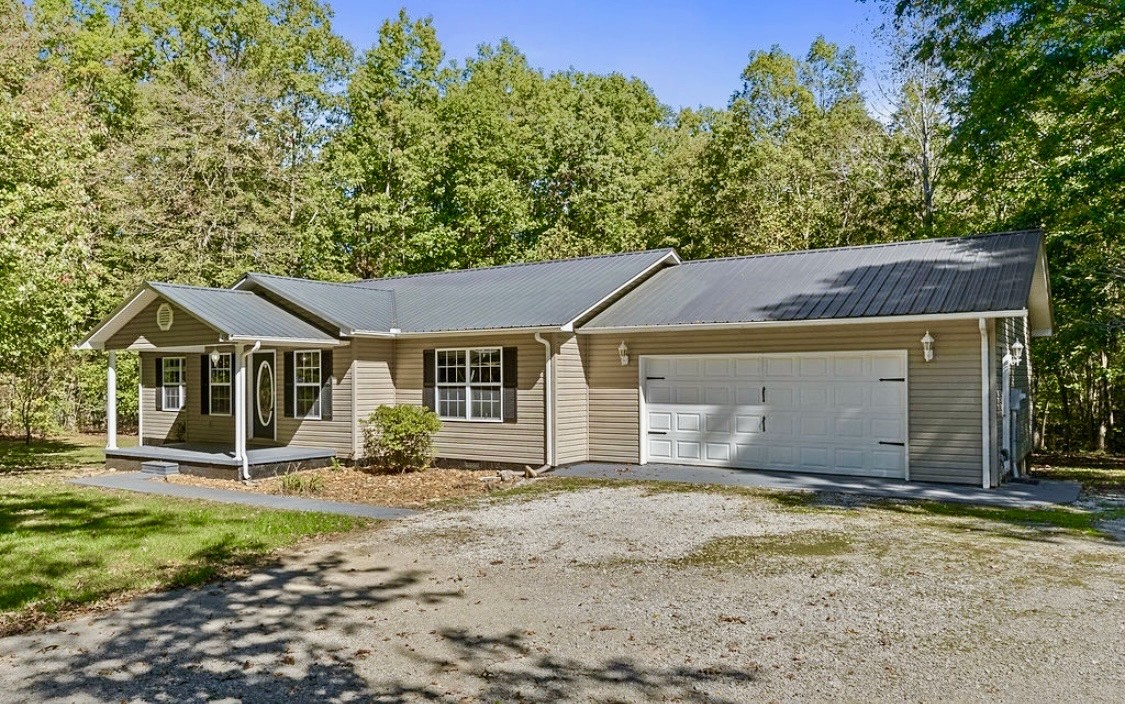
{"x":136,"y":481}
{"x":1010,"y":495}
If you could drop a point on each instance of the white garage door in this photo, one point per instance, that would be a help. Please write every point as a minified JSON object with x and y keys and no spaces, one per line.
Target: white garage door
{"x":831,"y":412}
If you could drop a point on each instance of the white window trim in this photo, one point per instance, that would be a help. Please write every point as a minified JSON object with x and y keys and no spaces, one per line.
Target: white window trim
{"x":298,"y":385}
{"x":468,"y":385}
{"x":182,"y":386}
{"x":211,"y":384}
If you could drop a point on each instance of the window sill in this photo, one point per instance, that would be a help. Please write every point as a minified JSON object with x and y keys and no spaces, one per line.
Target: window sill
{"x":470,"y":420}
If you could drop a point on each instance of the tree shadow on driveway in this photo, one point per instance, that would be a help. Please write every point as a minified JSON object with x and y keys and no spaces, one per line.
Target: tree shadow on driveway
{"x":293,"y":632}
{"x":246,"y":641}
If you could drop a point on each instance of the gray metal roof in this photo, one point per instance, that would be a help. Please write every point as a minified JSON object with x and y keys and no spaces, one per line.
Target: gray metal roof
{"x":531,"y":295}
{"x":345,"y":306}
{"x":982,"y":273}
{"x":240,"y":314}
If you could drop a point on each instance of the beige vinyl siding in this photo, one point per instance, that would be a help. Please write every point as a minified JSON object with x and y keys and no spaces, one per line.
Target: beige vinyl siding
{"x":336,"y":433}
{"x":571,"y":400}
{"x":142,"y":332}
{"x":521,"y":442}
{"x":375,"y":384}
{"x":158,"y":426}
{"x":944,"y":395}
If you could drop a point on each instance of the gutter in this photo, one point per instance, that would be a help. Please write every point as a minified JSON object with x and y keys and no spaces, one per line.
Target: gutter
{"x":548,"y":401}
{"x":682,"y":327}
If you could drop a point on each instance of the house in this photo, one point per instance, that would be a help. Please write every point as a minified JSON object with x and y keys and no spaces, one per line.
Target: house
{"x":907,"y":360}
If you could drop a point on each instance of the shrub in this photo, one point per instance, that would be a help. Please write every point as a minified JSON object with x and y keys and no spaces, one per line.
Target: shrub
{"x":400,"y":437}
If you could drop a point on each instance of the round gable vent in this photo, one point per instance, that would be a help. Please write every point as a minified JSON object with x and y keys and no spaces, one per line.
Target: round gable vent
{"x":164,"y":317}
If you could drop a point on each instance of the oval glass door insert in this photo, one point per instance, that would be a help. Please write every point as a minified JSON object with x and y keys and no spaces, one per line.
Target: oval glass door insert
{"x":265,"y":393}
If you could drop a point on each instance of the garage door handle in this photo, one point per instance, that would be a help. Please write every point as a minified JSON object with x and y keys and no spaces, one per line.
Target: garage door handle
{"x":657,"y":432}
{"x":888,"y":442}
{"x":654,"y":378}
{"x":763,"y":424}
{"x":893,"y":378}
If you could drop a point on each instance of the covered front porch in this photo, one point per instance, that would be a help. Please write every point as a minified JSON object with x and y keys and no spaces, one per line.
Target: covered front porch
{"x":215,"y":365}
{"x":220,"y":461}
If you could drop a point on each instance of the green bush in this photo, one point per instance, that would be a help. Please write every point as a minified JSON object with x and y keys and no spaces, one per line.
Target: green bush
{"x":400,"y":437}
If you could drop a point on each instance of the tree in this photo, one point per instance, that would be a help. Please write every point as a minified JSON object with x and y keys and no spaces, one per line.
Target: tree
{"x":1037,"y":90}
{"x":45,"y":244}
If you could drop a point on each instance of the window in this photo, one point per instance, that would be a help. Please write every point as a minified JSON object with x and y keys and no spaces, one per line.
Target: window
{"x":468,"y":384}
{"x":306,"y":384}
{"x":172,"y":384}
{"x":219,"y":381}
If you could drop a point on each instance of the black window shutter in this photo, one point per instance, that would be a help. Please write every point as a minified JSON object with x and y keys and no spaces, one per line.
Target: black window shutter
{"x":429,"y":378}
{"x":287,"y":372}
{"x":159,"y":383}
{"x":326,"y":385}
{"x":205,"y":384}
{"x":510,"y":372}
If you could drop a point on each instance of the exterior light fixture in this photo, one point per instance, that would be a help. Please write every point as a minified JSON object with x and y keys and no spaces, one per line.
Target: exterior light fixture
{"x":1016,"y":350}
{"x":928,"y":346}
{"x":623,"y":353}
{"x":215,"y":357}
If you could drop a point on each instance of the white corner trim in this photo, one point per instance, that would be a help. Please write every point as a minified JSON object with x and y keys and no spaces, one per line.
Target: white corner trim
{"x":985,"y":414}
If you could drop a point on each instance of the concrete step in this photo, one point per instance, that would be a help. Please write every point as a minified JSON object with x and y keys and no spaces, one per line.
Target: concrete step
{"x":160,"y":468}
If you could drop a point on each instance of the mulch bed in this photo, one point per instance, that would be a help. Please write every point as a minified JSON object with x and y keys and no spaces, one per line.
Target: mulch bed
{"x":410,"y":490}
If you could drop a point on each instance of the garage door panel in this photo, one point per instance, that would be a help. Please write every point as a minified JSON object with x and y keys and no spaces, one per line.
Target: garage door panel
{"x":687,"y":422}
{"x":660,"y":420}
{"x":688,"y":450}
{"x":747,"y":423}
{"x":718,"y":452}
{"x":823,"y":412}
{"x":717,"y":396}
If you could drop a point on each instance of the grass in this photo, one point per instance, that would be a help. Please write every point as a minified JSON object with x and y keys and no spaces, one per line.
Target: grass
{"x":738,"y":550}
{"x":1096,"y":474}
{"x":66,"y":547}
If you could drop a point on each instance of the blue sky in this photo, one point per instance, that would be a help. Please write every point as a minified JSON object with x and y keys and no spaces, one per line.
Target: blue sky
{"x":690,"y":53}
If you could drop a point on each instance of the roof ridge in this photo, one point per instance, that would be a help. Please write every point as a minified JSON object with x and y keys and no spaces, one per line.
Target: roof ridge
{"x":193,"y":287}
{"x":876,"y":245}
{"x":341,"y":284}
{"x":665,"y":250}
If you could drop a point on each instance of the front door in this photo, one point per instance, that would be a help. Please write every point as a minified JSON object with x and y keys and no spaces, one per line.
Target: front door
{"x":264,"y":397}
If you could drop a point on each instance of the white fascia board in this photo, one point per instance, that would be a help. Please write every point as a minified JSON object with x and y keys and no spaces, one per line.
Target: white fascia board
{"x":283,"y":341}
{"x":937,"y":317}
{"x":483,"y":331}
{"x":670,"y":256}
{"x":117,"y":319}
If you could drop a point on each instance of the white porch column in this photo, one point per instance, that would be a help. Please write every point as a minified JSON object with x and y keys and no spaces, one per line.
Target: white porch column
{"x":111,"y":402}
{"x":239,"y":403}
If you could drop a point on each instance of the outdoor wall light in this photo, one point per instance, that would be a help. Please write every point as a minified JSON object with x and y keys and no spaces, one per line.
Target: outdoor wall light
{"x":215,"y":357}
{"x":623,"y":353}
{"x":1016,"y":351}
{"x":928,"y":346}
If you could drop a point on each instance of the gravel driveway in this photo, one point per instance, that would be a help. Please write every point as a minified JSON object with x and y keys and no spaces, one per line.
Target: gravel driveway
{"x":622,"y":594}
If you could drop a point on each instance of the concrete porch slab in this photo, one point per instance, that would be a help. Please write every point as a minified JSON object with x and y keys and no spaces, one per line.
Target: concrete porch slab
{"x":1011,"y":495}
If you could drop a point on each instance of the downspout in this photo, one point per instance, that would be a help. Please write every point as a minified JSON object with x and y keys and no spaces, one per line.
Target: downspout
{"x":985,"y":415}
{"x":548,"y":400}
{"x":245,"y":470}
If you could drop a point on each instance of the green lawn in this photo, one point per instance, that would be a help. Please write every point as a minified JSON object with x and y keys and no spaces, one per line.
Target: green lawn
{"x":64,"y":547}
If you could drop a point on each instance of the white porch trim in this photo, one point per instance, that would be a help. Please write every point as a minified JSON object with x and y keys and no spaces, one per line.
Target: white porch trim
{"x":111,"y":402}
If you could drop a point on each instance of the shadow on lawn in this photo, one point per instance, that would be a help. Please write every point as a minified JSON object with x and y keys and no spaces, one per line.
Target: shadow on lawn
{"x":16,"y":457}
{"x":298,"y":633}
